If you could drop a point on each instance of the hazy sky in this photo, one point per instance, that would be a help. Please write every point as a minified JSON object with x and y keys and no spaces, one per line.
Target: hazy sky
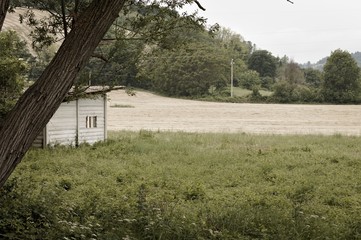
{"x":307,"y":30}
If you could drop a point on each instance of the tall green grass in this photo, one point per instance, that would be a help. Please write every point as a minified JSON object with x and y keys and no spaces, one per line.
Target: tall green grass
{"x":160,"y":185}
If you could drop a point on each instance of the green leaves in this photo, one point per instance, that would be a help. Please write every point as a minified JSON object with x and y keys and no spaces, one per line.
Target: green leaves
{"x":12,"y":70}
{"x":199,"y":64}
{"x":188,"y":71}
{"x":341,"y":78}
{"x":263,"y":62}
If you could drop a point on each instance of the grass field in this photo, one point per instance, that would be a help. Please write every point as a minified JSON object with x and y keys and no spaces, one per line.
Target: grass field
{"x":161,"y":185}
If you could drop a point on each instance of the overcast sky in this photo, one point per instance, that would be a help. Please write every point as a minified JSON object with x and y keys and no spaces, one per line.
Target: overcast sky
{"x":307,"y":30}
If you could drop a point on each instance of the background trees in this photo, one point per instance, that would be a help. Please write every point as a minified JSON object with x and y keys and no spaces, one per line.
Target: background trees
{"x":141,"y":25}
{"x":313,"y":77}
{"x":292,"y":84}
{"x":249,"y":79}
{"x":198,"y":66}
{"x":341,"y":78}
{"x":189,"y":71}
{"x":265,"y":64}
{"x":13,"y":56}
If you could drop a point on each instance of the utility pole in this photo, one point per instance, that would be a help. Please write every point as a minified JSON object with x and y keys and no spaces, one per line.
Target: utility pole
{"x":232,"y":77}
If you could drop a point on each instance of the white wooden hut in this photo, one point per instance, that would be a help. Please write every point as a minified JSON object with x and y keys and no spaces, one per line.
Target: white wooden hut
{"x":83,"y":120}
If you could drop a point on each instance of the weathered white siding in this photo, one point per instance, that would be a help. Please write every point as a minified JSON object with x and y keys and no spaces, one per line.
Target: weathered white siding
{"x":62,"y":127}
{"x":91,"y":108}
{"x":68,"y":125}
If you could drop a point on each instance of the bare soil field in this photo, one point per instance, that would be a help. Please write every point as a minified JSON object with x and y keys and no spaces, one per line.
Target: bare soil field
{"x":147,"y":111}
{"x":12,"y":23}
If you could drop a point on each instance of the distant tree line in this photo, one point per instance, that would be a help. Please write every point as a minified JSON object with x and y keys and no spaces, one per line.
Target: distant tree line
{"x":338,"y":83}
{"x":188,"y":60}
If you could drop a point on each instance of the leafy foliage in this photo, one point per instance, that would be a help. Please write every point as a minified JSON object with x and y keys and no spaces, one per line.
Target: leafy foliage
{"x":249,"y":79}
{"x":291,"y":72}
{"x":285,"y":92}
{"x":237,"y":48}
{"x":198,"y":67}
{"x":143,"y":27}
{"x":187,"y":71}
{"x":341,"y":78}
{"x":149,"y":21}
{"x":295,"y":84}
{"x":263,"y":62}
{"x":113,"y":64}
{"x":313,"y":77}
{"x":13,"y":54}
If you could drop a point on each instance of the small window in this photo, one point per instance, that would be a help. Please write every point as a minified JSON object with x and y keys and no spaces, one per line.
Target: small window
{"x":95,"y":124}
{"x":91,"y":122}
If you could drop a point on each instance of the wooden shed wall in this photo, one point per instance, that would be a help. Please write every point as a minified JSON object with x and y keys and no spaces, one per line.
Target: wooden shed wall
{"x":62,"y":127}
{"x":91,"y":108}
{"x":68,"y":125}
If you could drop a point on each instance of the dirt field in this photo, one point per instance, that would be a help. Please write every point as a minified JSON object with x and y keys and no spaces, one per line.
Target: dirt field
{"x":151,"y":112}
{"x":12,"y":23}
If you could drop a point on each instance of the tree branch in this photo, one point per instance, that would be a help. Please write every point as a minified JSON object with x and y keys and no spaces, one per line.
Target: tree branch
{"x":64,"y":18}
{"x":88,"y":91}
{"x":200,"y":6}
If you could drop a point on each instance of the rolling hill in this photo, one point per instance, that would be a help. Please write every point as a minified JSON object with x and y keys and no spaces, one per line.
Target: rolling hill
{"x":12,"y":22}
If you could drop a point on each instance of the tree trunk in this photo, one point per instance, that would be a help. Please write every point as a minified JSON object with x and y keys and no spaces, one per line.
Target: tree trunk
{"x":4,"y":7}
{"x":38,"y":104}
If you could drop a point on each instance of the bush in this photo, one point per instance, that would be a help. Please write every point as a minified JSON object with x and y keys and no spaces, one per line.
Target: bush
{"x":267,"y":82}
{"x":282,"y":92}
{"x":285,"y":92}
{"x":249,"y":79}
{"x":302,"y":93}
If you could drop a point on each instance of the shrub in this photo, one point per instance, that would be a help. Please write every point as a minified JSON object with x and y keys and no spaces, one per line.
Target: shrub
{"x":285,"y":92}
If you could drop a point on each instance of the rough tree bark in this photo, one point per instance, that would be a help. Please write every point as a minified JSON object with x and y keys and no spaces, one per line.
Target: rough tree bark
{"x":4,"y":6}
{"x":37,"y":105}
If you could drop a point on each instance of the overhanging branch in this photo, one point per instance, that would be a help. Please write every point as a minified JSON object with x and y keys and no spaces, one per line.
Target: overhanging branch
{"x":199,"y":5}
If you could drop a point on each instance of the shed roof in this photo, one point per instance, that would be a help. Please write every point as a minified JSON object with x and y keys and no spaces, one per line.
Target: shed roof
{"x":88,"y":91}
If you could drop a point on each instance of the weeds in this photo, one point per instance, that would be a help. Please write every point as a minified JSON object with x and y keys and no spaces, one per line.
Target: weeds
{"x":159,"y":185}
